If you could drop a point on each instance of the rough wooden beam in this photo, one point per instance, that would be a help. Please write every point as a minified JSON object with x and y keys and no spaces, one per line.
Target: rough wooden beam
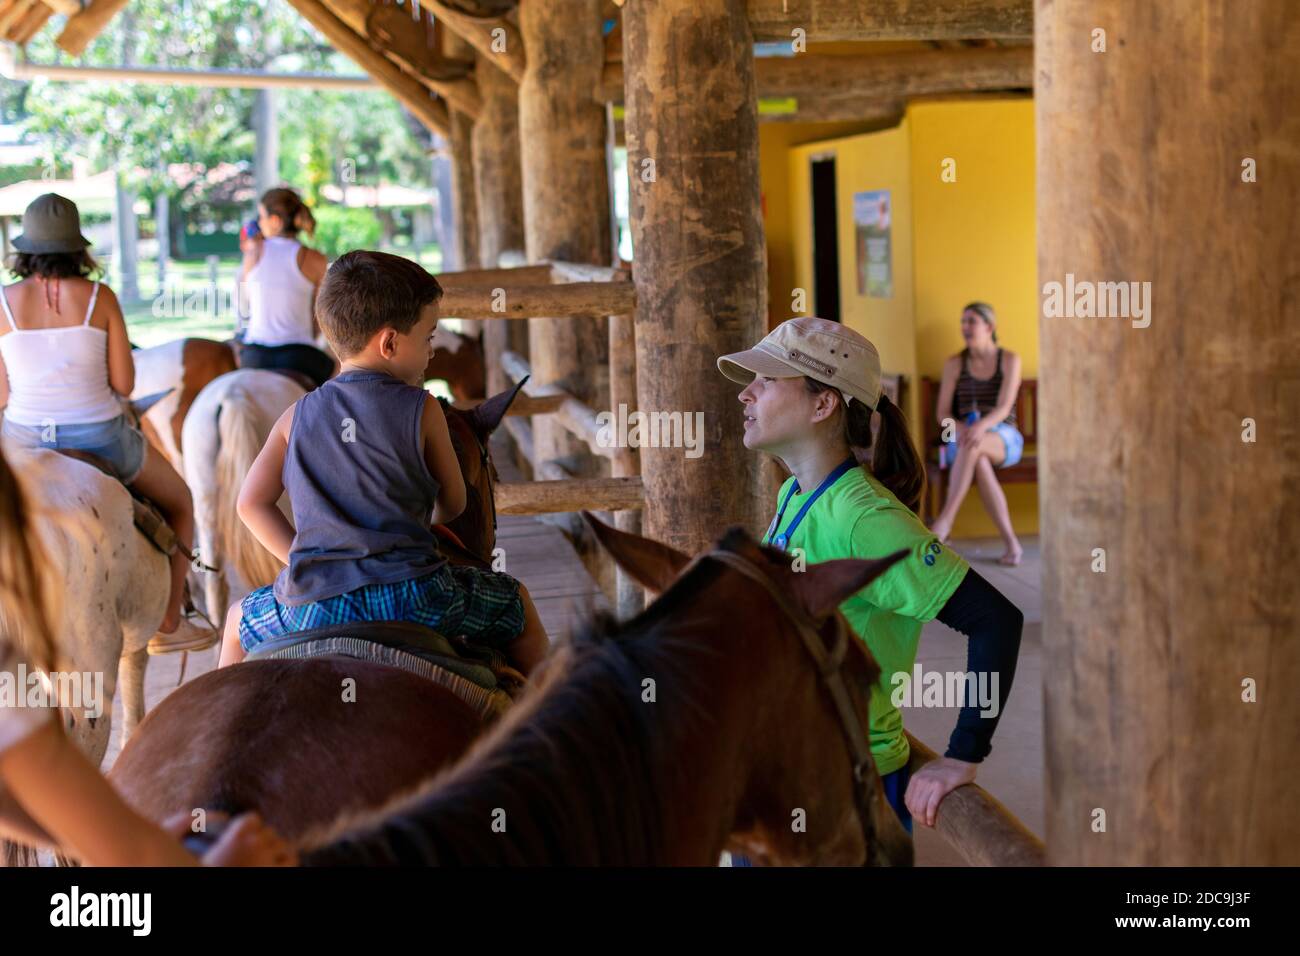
{"x":977,"y":826}
{"x":69,"y":8}
{"x":461,"y":94}
{"x":413,"y":94}
{"x":584,"y":272}
{"x":701,"y":260}
{"x":1166,"y":610}
{"x":83,"y":27}
{"x":14,"y":14}
{"x":891,"y":19}
{"x":495,"y":278}
{"x":498,"y":181}
{"x":497,"y":38}
{"x":850,"y":109}
{"x":30,"y":24}
{"x":579,"y":419}
{"x":883,"y":76}
{"x":574,"y":494}
{"x":597,"y":299}
{"x":566,"y":199}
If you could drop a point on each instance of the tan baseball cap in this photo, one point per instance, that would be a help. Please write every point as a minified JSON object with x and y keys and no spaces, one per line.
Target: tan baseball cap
{"x":819,"y":348}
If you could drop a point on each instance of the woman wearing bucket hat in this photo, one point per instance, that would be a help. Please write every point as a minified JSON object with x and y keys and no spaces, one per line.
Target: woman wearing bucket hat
{"x":282,"y":276}
{"x":810,"y":388}
{"x":64,"y":362}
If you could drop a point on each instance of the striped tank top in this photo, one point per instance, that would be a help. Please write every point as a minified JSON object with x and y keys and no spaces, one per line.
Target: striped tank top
{"x":978,"y":394}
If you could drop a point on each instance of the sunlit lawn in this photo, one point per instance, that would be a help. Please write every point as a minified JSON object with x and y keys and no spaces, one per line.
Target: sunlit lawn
{"x":195,"y":317}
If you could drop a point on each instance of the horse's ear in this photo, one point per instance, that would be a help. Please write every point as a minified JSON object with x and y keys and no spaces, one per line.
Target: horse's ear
{"x":823,"y":587}
{"x":487,"y":414}
{"x":651,"y":564}
{"x":143,"y":404}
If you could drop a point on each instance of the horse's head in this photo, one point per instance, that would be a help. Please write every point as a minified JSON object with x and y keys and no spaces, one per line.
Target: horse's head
{"x":470,"y":430}
{"x":809,"y":755}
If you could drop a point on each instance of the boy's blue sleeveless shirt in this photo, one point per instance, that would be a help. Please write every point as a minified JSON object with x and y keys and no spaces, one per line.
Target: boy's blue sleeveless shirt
{"x":361,"y":492}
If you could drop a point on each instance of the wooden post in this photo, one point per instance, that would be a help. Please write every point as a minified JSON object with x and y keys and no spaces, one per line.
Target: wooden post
{"x":463,"y":188}
{"x":566,"y":204}
{"x":700,"y":272}
{"x":1168,"y":439}
{"x":464,"y":202}
{"x":499,"y":188}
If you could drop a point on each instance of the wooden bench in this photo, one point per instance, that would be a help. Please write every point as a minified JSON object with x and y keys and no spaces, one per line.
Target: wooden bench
{"x":1024,"y":472}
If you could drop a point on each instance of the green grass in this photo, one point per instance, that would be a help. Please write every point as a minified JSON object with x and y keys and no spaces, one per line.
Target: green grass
{"x":198,"y":321}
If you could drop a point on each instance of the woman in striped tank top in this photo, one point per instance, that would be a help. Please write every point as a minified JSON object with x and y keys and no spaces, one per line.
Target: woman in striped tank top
{"x":978,"y":393}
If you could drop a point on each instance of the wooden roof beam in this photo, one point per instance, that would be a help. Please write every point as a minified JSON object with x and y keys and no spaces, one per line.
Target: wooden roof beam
{"x":69,"y":8}
{"x":380,"y":27}
{"x":823,"y":20}
{"x":83,"y":27}
{"x":504,"y":49}
{"x":884,"y":76}
{"x":413,"y":94}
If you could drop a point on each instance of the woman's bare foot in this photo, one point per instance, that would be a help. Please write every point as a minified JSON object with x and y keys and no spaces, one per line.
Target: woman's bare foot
{"x":1012,"y":557}
{"x":942,"y":528}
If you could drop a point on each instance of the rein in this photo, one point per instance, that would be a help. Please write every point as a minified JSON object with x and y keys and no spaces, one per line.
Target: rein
{"x":830,"y":667}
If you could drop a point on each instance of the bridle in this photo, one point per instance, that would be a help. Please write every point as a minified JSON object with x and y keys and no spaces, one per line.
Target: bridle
{"x":830,"y":667}
{"x":485,"y":463}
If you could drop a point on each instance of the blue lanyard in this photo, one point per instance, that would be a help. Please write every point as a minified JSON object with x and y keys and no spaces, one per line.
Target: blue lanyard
{"x":782,"y":540}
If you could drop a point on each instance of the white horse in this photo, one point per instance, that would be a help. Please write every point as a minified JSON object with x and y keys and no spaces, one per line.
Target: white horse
{"x":223,"y":432}
{"x":181,"y":368}
{"x":114,"y":583}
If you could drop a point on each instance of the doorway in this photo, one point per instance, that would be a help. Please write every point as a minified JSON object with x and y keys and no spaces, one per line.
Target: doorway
{"x":826,"y":239}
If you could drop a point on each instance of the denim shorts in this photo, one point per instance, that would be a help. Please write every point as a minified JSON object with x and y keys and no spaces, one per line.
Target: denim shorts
{"x":1011,"y":439}
{"x":114,"y":440}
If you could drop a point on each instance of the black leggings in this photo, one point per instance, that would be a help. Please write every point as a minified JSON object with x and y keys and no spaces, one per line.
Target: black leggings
{"x":993,"y":625}
{"x":308,"y":359}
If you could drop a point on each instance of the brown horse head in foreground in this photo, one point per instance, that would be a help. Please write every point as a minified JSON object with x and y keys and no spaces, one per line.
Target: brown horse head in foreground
{"x":702,"y":724}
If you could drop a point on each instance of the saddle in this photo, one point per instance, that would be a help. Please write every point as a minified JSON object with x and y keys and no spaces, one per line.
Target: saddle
{"x":479,"y":676}
{"x":148,"y":519}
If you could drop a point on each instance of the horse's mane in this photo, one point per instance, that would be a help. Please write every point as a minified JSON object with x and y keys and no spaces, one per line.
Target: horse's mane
{"x":578,"y":766}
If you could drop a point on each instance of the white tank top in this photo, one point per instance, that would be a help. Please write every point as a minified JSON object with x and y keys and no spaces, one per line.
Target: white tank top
{"x":57,"y":375}
{"x":279,"y":296}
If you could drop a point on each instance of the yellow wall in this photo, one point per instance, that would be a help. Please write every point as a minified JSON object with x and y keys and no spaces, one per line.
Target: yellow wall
{"x":952,"y":242}
{"x":871,"y":161}
{"x":975,"y":239}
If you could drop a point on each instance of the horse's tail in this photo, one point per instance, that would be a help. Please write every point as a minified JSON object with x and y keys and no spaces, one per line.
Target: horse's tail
{"x":240,"y":444}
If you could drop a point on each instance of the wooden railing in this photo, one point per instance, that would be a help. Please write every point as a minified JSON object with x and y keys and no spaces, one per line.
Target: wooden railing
{"x":977,"y":826}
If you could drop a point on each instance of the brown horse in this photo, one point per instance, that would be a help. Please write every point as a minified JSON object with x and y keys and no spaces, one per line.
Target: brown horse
{"x":709,"y":721}
{"x":184,"y":367}
{"x":458,"y":361}
{"x":282,"y":736}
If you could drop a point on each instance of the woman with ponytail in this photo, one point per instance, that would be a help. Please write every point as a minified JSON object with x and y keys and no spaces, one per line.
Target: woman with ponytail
{"x":281,"y":277}
{"x":810,"y":389}
{"x":48,"y":789}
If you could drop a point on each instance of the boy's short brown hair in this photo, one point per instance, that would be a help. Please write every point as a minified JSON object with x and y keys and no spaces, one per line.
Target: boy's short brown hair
{"x":365,"y":292}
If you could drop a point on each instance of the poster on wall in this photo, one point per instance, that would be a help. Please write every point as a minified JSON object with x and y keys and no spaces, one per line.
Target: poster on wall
{"x":871,"y":222}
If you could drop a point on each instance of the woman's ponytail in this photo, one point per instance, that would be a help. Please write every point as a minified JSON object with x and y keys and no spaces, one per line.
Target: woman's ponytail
{"x":304,"y":221}
{"x":293,"y":212}
{"x":895,"y":461}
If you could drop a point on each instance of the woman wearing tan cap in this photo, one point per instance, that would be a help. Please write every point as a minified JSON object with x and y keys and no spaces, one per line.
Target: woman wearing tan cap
{"x":810,"y":388}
